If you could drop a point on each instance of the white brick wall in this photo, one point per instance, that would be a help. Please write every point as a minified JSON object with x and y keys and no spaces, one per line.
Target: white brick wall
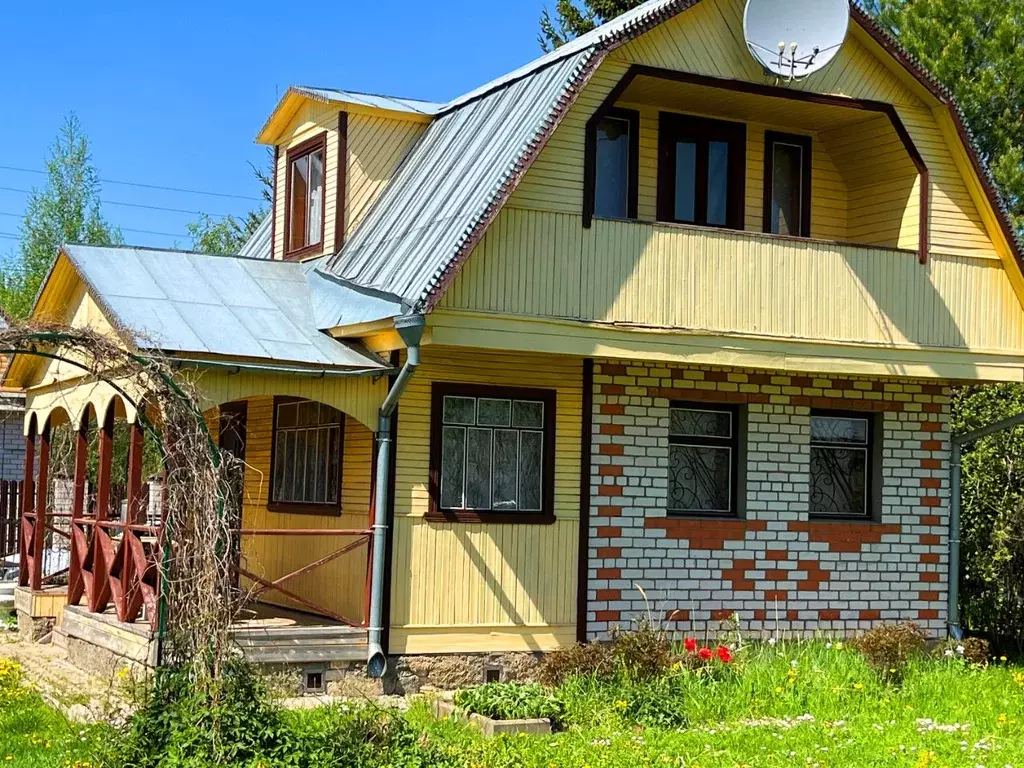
{"x":774,"y":568}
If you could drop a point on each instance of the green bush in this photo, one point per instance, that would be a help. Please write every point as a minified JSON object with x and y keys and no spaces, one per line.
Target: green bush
{"x":509,"y":701}
{"x":973,"y":650}
{"x":642,"y":653}
{"x":888,"y":648}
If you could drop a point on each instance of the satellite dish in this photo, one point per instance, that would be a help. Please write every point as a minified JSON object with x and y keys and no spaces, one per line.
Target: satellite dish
{"x":795,"y":38}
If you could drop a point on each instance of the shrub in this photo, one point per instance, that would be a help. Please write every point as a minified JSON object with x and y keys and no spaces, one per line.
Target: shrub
{"x":509,"y":701}
{"x":643,"y":653}
{"x":973,"y":650}
{"x":887,"y":649}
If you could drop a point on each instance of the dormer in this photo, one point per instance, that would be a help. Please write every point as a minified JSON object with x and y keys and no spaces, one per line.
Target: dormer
{"x":334,"y":152}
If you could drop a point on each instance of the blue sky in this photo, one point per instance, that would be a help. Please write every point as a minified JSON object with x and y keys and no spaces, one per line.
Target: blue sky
{"x":173,"y":94}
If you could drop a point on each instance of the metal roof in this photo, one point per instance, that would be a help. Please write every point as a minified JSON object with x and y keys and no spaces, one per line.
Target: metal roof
{"x":374,"y":100}
{"x":449,"y":183}
{"x":258,"y":244}
{"x":185,"y":302}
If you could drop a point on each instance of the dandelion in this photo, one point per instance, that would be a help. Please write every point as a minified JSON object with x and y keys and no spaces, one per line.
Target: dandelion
{"x":1002,"y":658}
{"x":858,"y":686}
{"x":778,"y":689}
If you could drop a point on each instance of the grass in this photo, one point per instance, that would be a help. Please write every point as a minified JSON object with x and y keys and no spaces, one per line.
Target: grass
{"x":779,"y":706}
{"x":809,"y":704}
{"x":34,"y":734}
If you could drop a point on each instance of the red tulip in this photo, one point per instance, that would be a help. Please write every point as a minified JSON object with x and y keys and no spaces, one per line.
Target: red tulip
{"x":705,"y":654}
{"x":724,"y":655}
{"x":690,"y":645}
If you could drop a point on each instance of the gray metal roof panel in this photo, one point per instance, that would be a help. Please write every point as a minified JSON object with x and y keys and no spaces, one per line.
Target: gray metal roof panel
{"x":258,"y":244}
{"x":224,"y":305}
{"x":377,"y":101}
{"x":448,"y":183}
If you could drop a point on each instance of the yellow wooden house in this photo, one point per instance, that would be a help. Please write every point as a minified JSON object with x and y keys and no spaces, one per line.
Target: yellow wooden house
{"x":634,"y":315}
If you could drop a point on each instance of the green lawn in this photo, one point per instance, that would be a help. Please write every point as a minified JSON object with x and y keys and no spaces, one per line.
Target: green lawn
{"x":808,"y":704}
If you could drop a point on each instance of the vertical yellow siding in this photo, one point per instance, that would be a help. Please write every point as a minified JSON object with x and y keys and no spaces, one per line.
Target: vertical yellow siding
{"x":376,"y":146}
{"x":471,"y":586}
{"x":339,"y":585}
{"x":547,"y":265}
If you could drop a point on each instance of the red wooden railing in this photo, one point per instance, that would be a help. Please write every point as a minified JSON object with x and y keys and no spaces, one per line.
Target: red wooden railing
{"x":11,"y":492}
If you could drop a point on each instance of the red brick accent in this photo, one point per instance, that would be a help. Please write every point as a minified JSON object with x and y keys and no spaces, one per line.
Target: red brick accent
{"x":610,"y":449}
{"x":845,"y":537}
{"x":828,"y":614}
{"x":816,"y":576}
{"x":776,"y":554}
{"x":930,"y":558}
{"x":776,"y":574}
{"x":931,"y":520}
{"x":870,"y":615}
{"x":930,"y":577}
{"x":613,"y":369}
{"x":609,"y":551}
{"x":608,"y":532}
{"x":607,"y":615}
{"x":610,"y":470}
{"x":931,"y":445}
{"x":930,"y":538}
{"x":613,"y":409}
{"x":929,"y":596}
{"x":931,"y":464}
{"x":931,"y":426}
{"x":677,"y":615}
{"x":931,"y":501}
{"x":705,"y":534}
{"x":609,"y":511}
{"x":772,"y":595}
{"x":928,"y":613}
{"x":721,"y":614}
{"x":609,"y":573}
{"x":611,"y":429}
{"x":609,"y":490}
{"x":931,"y":482}
{"x":609,"y":594}
{"x":613,"y":389}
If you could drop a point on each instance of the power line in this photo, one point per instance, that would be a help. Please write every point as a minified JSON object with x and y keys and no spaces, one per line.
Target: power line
{"x":144,"y":186}
{"x":139,"y":205}
{"x":123,"y":229}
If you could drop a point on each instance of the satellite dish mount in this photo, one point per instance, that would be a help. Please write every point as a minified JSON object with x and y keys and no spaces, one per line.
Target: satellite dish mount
{"x":793,"y":39}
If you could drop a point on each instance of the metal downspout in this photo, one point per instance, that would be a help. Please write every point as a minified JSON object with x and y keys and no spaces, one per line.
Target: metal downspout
{"x":410,"y":328}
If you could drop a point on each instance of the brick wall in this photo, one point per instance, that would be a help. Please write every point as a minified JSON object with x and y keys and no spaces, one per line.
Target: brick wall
{"x":775,"y":568}
{"x":12,"y":444}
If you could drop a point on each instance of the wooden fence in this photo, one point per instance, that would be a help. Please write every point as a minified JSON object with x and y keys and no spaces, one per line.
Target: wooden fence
{"x":10,"y":513}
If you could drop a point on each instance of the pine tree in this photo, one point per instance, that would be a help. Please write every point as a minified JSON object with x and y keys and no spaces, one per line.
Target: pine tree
{"x":571,"y":20}
{"x":66,"y":210}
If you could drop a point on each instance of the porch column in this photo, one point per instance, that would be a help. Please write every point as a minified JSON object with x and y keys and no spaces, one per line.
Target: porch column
{"x":79,"y":538}
{"x":132,"y":595}
{"x":102,"y":547}
{"x":41,"y":491}
{"x":27,"y":504}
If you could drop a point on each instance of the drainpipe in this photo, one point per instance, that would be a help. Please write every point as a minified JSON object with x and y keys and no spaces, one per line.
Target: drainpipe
{"x":958,"y":442}
{"x":410,"y":328}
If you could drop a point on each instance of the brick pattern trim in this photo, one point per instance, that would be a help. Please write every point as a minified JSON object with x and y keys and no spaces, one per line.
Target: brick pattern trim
{"x":776,"y":569}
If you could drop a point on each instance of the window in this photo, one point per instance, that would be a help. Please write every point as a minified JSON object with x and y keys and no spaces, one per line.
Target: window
{"x":787,"y":184}
{"x":615,"y":174}
{"x":307,"y":448}
{"x":701,"y":171}
{"x":703,"y":459}
{"x":842,"y":452}
{"x":492,"y":454}
{"x":304,"y":216}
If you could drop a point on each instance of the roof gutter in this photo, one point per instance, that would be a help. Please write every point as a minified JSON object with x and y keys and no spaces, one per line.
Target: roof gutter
{"x":320,"y":373}
{"x":410,"y":328}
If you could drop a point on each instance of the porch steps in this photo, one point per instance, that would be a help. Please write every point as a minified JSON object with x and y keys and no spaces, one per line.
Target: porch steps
{"x":301,"y":645}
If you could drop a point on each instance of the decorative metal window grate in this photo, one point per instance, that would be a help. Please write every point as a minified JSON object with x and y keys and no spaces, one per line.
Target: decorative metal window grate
{"x":307,"y":453}
{"x":841,"y":447}
{"x":703,"y":451}
{"x":492,"y":454}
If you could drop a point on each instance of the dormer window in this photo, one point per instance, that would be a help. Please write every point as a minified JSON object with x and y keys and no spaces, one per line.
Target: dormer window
{"x":701,"y":171}
{"x":304,"y":214}
{"x":787,"y":184}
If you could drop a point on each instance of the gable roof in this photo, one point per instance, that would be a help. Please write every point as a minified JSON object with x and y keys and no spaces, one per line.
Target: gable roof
{"x":459,"y":174}
{"x":184,"y":302}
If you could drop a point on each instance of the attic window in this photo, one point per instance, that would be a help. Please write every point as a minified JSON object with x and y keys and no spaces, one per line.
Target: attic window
{"x":306,"y":198}
{"x":787,"y":188}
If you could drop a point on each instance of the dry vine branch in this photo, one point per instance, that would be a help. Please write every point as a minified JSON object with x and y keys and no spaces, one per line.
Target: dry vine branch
{"x":196,"y":572}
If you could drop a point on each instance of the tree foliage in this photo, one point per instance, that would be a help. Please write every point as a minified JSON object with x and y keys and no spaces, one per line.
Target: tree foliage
{"x":226,"y":236}
{"x":66,"y":210}
{"x":571,"y":20}
{"x":974,"y":48}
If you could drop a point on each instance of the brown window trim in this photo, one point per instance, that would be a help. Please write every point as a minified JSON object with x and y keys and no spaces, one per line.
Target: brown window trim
{"x":293,"y":154}
{"x":805,"y":143}
{"x":435,"y":513}
{"x":301,"y":508}
{"x":631,"y":116}
{"x":341,"y":188}
{"x":674,"y":124}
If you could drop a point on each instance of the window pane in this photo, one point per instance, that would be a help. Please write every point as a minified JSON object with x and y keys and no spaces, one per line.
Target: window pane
{"x":288,"y":486}
{"x":494,"y":413}
{"x":506,"y":468}
{"x":683,"y":421}
{"x":531,"y":463}
{"x":611,"y":190}
{"x":316,"y":197}
{"x":529,"y":414}
{"x":787,"y":193}
{"x":838,"y":481}
{"x":300,"y":481}
{"x":478,"y":469}
{"x":309,"y":414}
{"x":453,"y":457}
{"x":279,"y":465}
{"x":718,"y":182}
{"x":319,"y":465}
{"x":298,"y":203}
{"x":287,"y":415}
{"x":700,"y":479}
{"x":838,"y":429}
{"x":333,"y":466}
{"x":686,"y":181}
{"x":460,"y":410}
